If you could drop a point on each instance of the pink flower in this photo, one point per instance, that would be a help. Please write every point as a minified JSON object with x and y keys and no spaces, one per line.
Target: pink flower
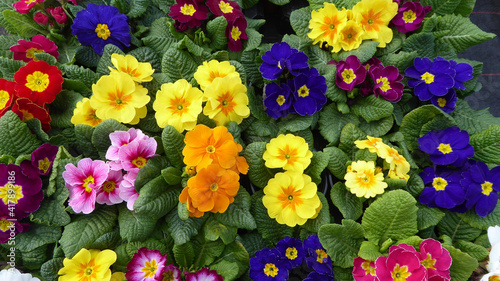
{"x":41,"y":18}
{"x":146,"y":265}
{"x":435,"y":258}
{"x":410,"y":16}
{"x":136,"y":154}
{"x":171,"y":273}
{"x":25,"y":50}
{"x":402,"y":263}
{"x":109,"y":194}
{"x":387,"y":82}
{"x":364,"y":270}
{"x":350,"y":73}
{"x":235,"y":32}
{"x":204,"y":274}
{"x":58,"y":14}
{"x":127,"y":188}
{"x":121,"y":138}
{"x":83,"y":183}
{"x":24,"y":6}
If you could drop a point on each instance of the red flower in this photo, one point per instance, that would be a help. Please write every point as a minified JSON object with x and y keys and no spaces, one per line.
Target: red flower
{"x":24,"y":6}
{"x":7,"y":94}
{"x":25,"y":50}
{"x":27,"y":110}
{"x":235,"y":31}
{"x":188,"y":12}
{"x":58,"y":14}
{"x":39,"y":82}
{"x":226,"y":8}
{"x":41,"y":18}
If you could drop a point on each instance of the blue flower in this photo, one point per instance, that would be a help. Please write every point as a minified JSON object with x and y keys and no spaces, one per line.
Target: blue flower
{"x":430,"y":78}
{"x":278,"y":100}
{"x":281,"y":57}
{"x":314,"y":276}
{"x":442,"y":188}
{"x":268,"y":265}
{"x":463,"y":73}
{"x":317,"y":259}
{"x":481,"y":186}
{"x":447,"y":102}
{"x":308,"y":90}
{"x":99,"y":25}
{"x":447,"y":147}
{"x":291,"y":249}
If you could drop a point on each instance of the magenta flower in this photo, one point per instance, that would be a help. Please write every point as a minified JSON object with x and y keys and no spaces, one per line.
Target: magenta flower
{"x":43,"y":158}
{"x":25,"y":50}
{"x":146,"y":265}
{"x":226,"y":8}
{"x":171,"y":273}
{"x":364,"y":270}
{"x":109,"y":193}
{"x":403,"y":263}
{"x":387,"y":82}
{"x":24,"y":6}
{"x":83,"y":183}
{"x":136,"y":154}
{"x":58,"y":14}
{"x":435,"y":258}
{"x":235,"y":32}
{"x":410,"y":16}
{"x":121,"y":138}
{"x":350,"y":73}
{"x":204,"y":274}
{"x":188,"y":12}
{"x":10,"y":227}
{"x":41,"y":18}
{"x":127,"y":188}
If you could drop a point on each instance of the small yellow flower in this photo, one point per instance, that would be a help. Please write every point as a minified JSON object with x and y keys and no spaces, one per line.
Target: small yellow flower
{"x":85,"y":114}
{"x":139,"y":114}
{"x":291,"y":198}
{"x":371,"y":143}
{"x":351,"y":36}
{"x":375,"y":16}
{"x":288,"y":152}
{"x":88,"y":265}
{"x":118,"y":276}
{"x":363,"y":181}
{"x":139,"y":71}
{"x":325,"y":25}
{"x":397,"y":163}
{"x":206,"y":73}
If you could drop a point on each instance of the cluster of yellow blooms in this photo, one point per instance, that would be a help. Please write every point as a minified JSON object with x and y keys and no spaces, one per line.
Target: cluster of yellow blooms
{"x":366,"y":180}
{"x":118,"y":95}
{"x":90,"y":265}
{"x":346,"y":29}
{"x":179,"y":104}
{"x":290,"y":197}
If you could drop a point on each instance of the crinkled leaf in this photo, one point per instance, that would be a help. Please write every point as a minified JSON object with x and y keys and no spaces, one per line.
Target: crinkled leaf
{"x":299,"y":19}
{"x":37,"y":236}
{"x":338,"y":162}
{"x":369,"y":251}
{"x":342,"y":242}
{"x":268,"y":227}
{"x":137,"y":8}
{"x":462,"y":264}
{"x":349,"y":134}
{"x":371,"y":108}
{"x":258,"y":173}
{"x":364,"y":52}
{"x":173,"y":143}
{"x":427,"y":217}
{"x":50,"y":268}
{"x":422,"y":43}
{"x":135,"y":226}
{"x":15,"y":137}
{"x":178,"y":64}
{"x":214,"y":229}
{"x":293,"y":123}
{"x":487,"y":145}
{"x":182,"y":230}
{"x":348,"y":203}
{"x":476,"y":251}
{"x":157,"y":198}
{"x":228,"y":270}
{"x":159,"y":37}
{"x":105,"y":61}
{"x":206,"y":251}
{"x":377,"y":128}
{"x":319,"y":162}
{"x":238,"y":212}
{"x":472,"y":218}
{"x":23,"y":24}
{"x":254,"y":39}
{"x":100,"y":137}
{"x":456,"y":228}
{"x":331,"y":122}
{"x":184,"y":254}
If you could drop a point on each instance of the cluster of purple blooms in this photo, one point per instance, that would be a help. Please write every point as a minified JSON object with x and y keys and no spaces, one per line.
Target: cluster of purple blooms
{"x":297,"y":88}
{"x":456,"y":182}
{"x":437,"y":80}
{"x":276,"y":264}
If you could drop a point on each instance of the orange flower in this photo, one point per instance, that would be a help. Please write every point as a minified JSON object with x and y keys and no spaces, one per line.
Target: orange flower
{"x":184,"y":198}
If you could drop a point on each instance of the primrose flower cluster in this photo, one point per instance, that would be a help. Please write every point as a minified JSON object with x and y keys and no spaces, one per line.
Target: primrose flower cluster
{"x":304,"y":93}
{"x":431,"y":262}
{"x":455,"y":181}
{"x":277,"y":264}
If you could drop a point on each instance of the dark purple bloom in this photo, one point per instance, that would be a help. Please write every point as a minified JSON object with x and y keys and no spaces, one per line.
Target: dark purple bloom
{"x":430,"y":78}
{"x":281,"y":57}
{"x":447,"y":102}
{"x":350,"y":73}
{"x":99,"y":25}
{"x":278,"y":100}
{"x":374,"y":61}
{"x":463,"y":73}
{"x":235,"y":32}
{"x":43,"y":158}
{"x":314,"y":276}
{"x":410,"y":16}
{"x":308,"y":90}
{"x":447,"y":147}
{"x":226,"y":8}
{"x":291,"y":249}
{"x":268,"y":265}
{"x":317,"y":258}
{"x":481,"y":186}
{"x":442,"y":188}
{"x":188,"y":12}
{"x":10,"y":227}
{"x":387,"y":82}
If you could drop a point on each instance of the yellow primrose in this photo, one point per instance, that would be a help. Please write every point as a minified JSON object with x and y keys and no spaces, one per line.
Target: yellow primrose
{"x":375,"y":16}
{"x":139,"y":114}
{"x":371,"y":143}
{"x":118,"y":276}
{"x":325,"y":25}
{"x":351,"y":36}
{"x":85,"y":114}
{"x":208,"y":71}
{"x":288,"y":152}
{"x":139,"y":71}
{"x":363,"y":180}
{"x":88,"y":265}
{"x":396,"y":161}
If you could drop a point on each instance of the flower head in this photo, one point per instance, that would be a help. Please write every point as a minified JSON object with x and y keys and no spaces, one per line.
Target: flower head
{"x":88,"y":265}
{"x":430,"y":78}
{"x":109,"y":193}
{"x":482,"y":187}
{"x":364,"y":270}
{"x":267,"y":264}
{"x":121,"y":138}
{"x":171,"y":273}
{"x":402,"y":263}
{"x":41,"y":18}
{"x":27,"y":110}
{"x":178,"y":104}
{"x":208,"y":71}
{"x":447,"y":102}
{"x":292,"y":250}
{"x":58,"y":14}
{"x":7,"y":95}
{"x":317,"y":258}
{"x":226,"y":8}
{"x":39,"y":82}
{"x":43,"y":157}
{"x":364,"y":181}
{"x":463,"y":72}
{"x":10,"y":225}
{"x":278,"y":100}
{"x":25,"y":50}
{"x":13,"y":274}
{"x":24,"y":6}
{"x":188,"y":12}
{"x":350,"y":73}
{"x":185,"y":198}
{"x":127,"y":188}
{"x":435,"y":258}
{"x":387,"y":82}
{"x":447,"y":147}
{"x":138,"y":71}
{"x":396,"y":161}
{"x":325,"y":25}
{"x":308,"y":90}
{"x":146,"y":265}
{"x":289,"y":152}
{"x":85,"y":114}
{"x":136,"y":154}
{"x":351,"y":36}
{"x":282,"y":57}
{"x":291,"y":198}
{"x":410,"y":16}
{"x":99,"y":25}
{"x":373,"y":144}
{"x":442,"y":188}
{"x":235,"y":32}
{"x":204,"y":274}
{"x":375,"y":16}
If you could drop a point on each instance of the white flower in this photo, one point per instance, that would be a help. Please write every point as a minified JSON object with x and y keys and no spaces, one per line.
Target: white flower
{"x":494,"y":235}
{"x":13,"y":274}
{"x":494,"y":263}
{"x":492,"y":275}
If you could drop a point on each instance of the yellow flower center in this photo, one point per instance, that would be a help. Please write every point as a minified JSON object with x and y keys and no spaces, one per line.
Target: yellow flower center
{"x":37,"y":81}
{"x":102,"y":31}
{"x":139,"y":162}
{"x":225,"y":7}
{"x":321,"y":255}
{"x":442,"y":102}
{"x":281,"y":100}
{"x":429,"y":262}
{"x":29,"y":1}
{"x":386,"y":85}
{"x":149,"y":269}
{"x":109,"y":186}
{"x":409,"y":16}
{"x":210,"y":149}
{"x":494,"y":278}
{"x":10,"y":193}
{"x":289,"y":197}
{"x":348,"y":75}
{"x":400,"y":273}
{"x":439,"y":183}
{"x":179,"y":105}
{"x":191,"y":170}
{"x":487,"y":188}
{"x":226,"y":103}
{"x":428,"y":78}
{"x":445,"y":148}
{"x":368,"y":268}
{"x":371,"y":21}
{"x":30,"y":53}
{"x":88,"y":271}
{"x":86,"y":182}
{"x":188,"y":10}
{"x":168,"y":276}
{"x":365,"y":178}
{"x":303,"y":91}
{"x":235,"y":33}
{"x":279,"y":65}
{"x":26,"y":115}
{"x":332,"y":26}
{"x":291,"y":253}
{"x":270,"y":270}
{"x":43,"y":165}
{"x":4,"y":98}
{"x":214,"y":186}
{"x":5,"y":225}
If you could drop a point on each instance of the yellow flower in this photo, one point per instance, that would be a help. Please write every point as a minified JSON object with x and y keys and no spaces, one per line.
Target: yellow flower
{"x":351,"y":36}
{"x":117,"y":97}
{"x":88,"y":265}
{"x":206,"y":73}
{"x":291,"y":198}
{"x":326,"y":24}
{"x":227,"y":100}
{"x":371,"y":143}
{"x":139,"y":71}
{"x":85,"y":114}
{"x":139,"y":114}
{"x":397,"y":163}
{"x":178,"y":104}
{"x":363,"y":181}
{"x":375,"y":16}
{"x":288,"y":152}
{"x":118,"y":276}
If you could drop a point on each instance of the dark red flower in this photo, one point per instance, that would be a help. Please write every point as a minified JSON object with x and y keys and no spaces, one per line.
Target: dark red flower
{"x":7,"y":95}
{"x":235,"y":31}
{"x":410,"y":16}
{"x":226,"y":8}
{"x":41,"y":18}
{"x":188,"y":12}
{"x":24,"y":6}
{"x":58,"y":14}
{"x":25,"y":50}
{"x":39,"y":82}
{"x":387,"y":82}
{"x":27,"y":110}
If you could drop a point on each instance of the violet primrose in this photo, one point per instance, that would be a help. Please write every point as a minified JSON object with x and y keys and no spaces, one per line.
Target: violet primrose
{"x":278,"y":100}
{"x":281,"y":57}
{"x":350,"y":73}
{"x":447,"y":147}
{"x":267,"y":264}
{"x":292,"y":250}
{"x":430,"y":78}
{"x":442,"y":188}
{"x":482,"y":187}
{"x":308,"y":90}
{"x":317,"y":258}
{"x":387,"y":82}
{"x":447,"y":102}
{"x":410,"y":16}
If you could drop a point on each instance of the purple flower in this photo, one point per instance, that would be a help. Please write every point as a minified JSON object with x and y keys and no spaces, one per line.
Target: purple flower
{"x":463,"y":73}
{"x":278,"y":100}
{"x":146,"y":265}
{"x":410,"y":16}
{"x":281,"y":57}
{"x":236,"y":31}
{"x":109,"y":193}
{"x":308,"y":90}
{"x":387,"y":82}
{"x":171,"y":273}
{"x":314,"y":276}
{"x":430,"y":78}
{"x":374,"y":61}
{"x":188,"y":12}
{"x":481,"y":186}
{"x":291,"y":249}
{"x":317,"y":258}
{"x":442,"y":188}
{"x":447,"y":102}
{"x":226,"y":8}
{"x":10,"y":227}
{"x":43,"y":158}
{"x":127,"y":188}
{"x":268,"y":265}
{"x":204,"y":274}
{"x":350,"y":73}
{"x":447,"y":147}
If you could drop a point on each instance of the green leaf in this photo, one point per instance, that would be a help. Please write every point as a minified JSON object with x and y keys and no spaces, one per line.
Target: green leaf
{"x":280,"y":2}
{"x":184,"y":254}
{"x":372,"y":108}
{"x":256,"y":105}
{"x":472,"y":218}
{"x":456,"y":228}
{"x":349,"y":134}
{"x":100,"y":137}
{"x":238,"y":213}
{"x":487,"y":145}
{"x":67,"y":50}
{"x":52,"y":213}
{"x":338,"y":162}
{"x":228,"y":270}
{"x":146,"y":54}
{"x":37,"y":236}
{"x":50,"y":268}
{"x":248,"y":60}
{"x":216,"y":32}
{"x":187,"y":43}
{"x":415,"y":184}
{"x":107,"y":241}
{"x":254,"y":39}
{"x":178,"y":64}
{"x":172,"y":175}
{"x":105,"y":61}
{"x":8,"y":67}
{"x":83,"y":135}
{"x":253,"y":242}
{"x":369,"y":251}
{"x":319,"y":162}
{"x":473,"y":121}
{"x":182,"y":230}
{"x":331,"y":130}
{"x":206,"y":251}
{"x":15,"y":137}
{"x":24,"y":24}
{"x":422,"y":43}
{"x":401,"y":60}
{"x":269,"y":228}
{"x":157,"y":198}
{"x":258,"y":173}
{"x":377,"y":128}
{"x":427,"y":217}
{"x":323,"y":217}
{"x":293,"y":123}
{"x":465,"y":8}
{"x":214,"y":229}
{"x":159,"y":37}
{"x":462,"y":264}
{"x":34,"y":259}
{"x":173,"y":143}
{"x":86,"y":56}
{"x":137,"y":8}
{"x":342,"y":242}
{"x":476,"y":251}
{"x":364,"y":52}
{"x":299,"y":20}
{"x":61,"y":109}
{"x":333,"y":92}
{"x":235,"y":252}
{"x":348,"y":203}
{"x":441,"y":7}
{"x":135,"y":226}
{"x":391,"y":216}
